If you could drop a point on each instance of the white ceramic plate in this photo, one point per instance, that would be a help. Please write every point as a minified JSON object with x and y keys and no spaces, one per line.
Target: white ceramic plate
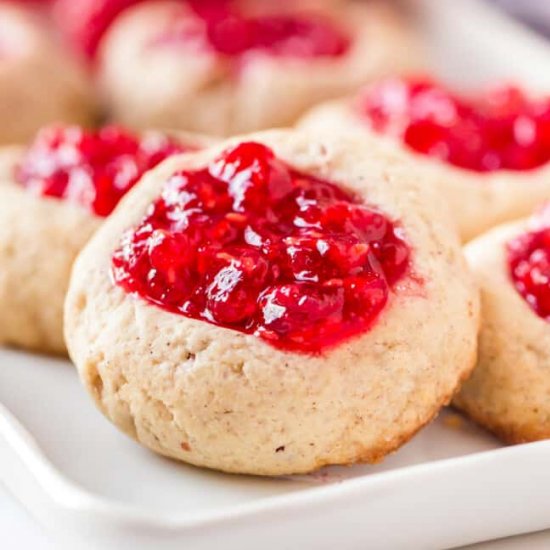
{"x":450,"y":486}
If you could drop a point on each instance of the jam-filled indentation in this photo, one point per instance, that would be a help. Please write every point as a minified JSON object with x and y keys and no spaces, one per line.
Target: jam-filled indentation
{"x":500,"y":130}
{"x":92,"y":168}
{"x":251,"y":244}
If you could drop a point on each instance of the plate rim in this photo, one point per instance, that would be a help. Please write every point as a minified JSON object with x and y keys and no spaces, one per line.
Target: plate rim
{"x":68,"y":495}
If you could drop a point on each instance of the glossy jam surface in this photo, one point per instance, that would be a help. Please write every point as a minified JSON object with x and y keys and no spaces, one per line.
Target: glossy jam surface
{"x":233,"y":34}
{"x":500,"y":130}
{"x":250,"y":244}
{"x":94,"y":169}
{"x":529,"y":263}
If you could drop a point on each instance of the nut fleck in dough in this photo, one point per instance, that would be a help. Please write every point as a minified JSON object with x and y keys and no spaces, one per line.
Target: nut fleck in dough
{"x":39,"y":83}
{"x":145,"y":84}
{"x":39,"y":240}
{"x":478,"y":201}
{"x":226,"y":400}
{"x":509,"y":390}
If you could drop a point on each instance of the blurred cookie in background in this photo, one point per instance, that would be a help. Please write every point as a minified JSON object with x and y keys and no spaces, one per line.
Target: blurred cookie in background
{"x":39,"y":82}
{"x":229,"y":67}
{"x":54,"y":193}
{"x":83,"y":23}
{"x":487,"y":152}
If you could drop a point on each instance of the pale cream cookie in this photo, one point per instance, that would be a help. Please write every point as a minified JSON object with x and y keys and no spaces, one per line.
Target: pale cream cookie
{"x":157,"y":67}
{"x":509,"y":390}
{"x":478,"y":200}
{"x":235,"y":401}
{"x":46,"y":219}
{"x":39,"y":83}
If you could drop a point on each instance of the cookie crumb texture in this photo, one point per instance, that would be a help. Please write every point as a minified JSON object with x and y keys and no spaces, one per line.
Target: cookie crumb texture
{"x":224,"y":399}
{"x":250,"y":244}
{"x":500,"y":130}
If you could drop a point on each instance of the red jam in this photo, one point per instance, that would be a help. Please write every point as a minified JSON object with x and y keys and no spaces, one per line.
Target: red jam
{"x":84,"y":22}
{"x":92,"y":168}
{"x":251,"y":244}
{"x":501,"y":130}
{"x":529,"y":264}
{"x":279,"y":35}
{"x":233,"y":34}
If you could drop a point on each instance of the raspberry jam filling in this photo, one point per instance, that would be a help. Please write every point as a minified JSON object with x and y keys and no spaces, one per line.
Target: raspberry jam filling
{"x":251,"y":244}
{"x":94,"y":169}
{"x":501,"y":130}
{"x":529,"y":263}
{"x":232,"y":34}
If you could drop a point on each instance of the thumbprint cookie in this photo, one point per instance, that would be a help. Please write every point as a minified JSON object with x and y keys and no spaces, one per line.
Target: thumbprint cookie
{"x":274,"y":304}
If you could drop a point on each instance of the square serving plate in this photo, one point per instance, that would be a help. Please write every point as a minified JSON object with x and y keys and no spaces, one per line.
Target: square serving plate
{"x":451,"y":485}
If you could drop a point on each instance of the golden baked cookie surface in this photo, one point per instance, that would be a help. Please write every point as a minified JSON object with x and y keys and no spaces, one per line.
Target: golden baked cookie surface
{"x":218,"y":398}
